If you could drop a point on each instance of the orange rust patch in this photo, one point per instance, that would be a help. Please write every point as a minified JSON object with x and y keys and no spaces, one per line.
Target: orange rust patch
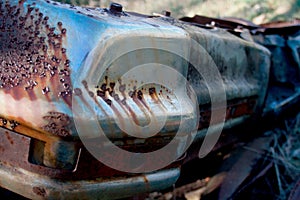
{"x":57,"y":124}
{"x":39,"y":191}
{"x":33,"y":60}
{"x":235,"y":109}
{"x":9,"y":138}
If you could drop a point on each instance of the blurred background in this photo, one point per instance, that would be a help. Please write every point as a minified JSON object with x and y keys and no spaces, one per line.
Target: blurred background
{"x":257,"y":11}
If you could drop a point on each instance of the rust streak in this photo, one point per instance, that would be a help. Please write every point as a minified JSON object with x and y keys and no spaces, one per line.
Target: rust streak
{"x":141,"y":106}
{"x":153,"y":94}
{"x":129,"y":111}
{"x":121,"y":120}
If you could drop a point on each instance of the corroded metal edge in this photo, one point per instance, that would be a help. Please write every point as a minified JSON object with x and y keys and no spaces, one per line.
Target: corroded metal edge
{"x":35,"y":186}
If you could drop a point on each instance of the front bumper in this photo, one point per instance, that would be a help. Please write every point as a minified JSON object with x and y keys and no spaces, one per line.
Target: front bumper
{"x":35,"y":186}
{"x":89,"y":179}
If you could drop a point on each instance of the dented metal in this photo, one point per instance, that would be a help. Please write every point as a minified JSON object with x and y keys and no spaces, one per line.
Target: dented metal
{"x":50,"y":53}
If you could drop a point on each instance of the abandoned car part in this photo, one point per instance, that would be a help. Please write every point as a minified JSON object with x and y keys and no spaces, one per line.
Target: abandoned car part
{"x":62,"y":65}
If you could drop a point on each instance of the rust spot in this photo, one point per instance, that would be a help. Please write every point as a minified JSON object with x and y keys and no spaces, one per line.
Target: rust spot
{"x":63,"y":31}
{"x":91,"y":94}
{"x":85,"y":84}
{"x":11,"y":141}
{"x":31,"y":53}
{"x":103,"y":87}
{"x":108,"y":101}
{"x":112,"y":85}
{"x":9,"y":124}
{"x":131,"y":94}
{"x":124,"y":101}
{"x":107,"y":91}
{"x":21,"y":2}
{"x":122,"y":88}
{"x":2,"y":149}
{"x":39,"y":191}
{"x":140,"y":95}
{"x":13,"y":124}
{"x":116,"y":97}
{"x":152,"y":91}
{"x":101,"y":93}
{"x":45,"y":90}
{"x":77,"y":92}
{"x":3,"y":122}
{"x":145,"y":179}
{"x":57,"y":123}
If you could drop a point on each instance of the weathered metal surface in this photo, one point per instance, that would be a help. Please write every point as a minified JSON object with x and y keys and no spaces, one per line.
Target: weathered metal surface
{"x":35,"y":186}
{"x":49,"y":54}
{"x":245,"y":71}
{"x":50,"y":111}
{"x":34,"y":66}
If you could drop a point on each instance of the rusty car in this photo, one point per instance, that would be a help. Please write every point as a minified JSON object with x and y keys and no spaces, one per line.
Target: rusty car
{"x":91,"y":96}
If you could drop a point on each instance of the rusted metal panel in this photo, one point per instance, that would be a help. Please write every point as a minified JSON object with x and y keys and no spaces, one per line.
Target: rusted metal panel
{"x":58,"y":62}
{"x":35,"y":73}
{"x":49,"y":111}
{"x":280,"y":27}
{"x":50,"y":34}
{"x":226,"y":23}
{"x":56,"y":57}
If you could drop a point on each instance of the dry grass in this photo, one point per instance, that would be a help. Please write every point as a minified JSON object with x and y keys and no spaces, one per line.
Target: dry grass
{"x":283,"y":164}
{"x":285,"y":154}
{"x":258,"y":11}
